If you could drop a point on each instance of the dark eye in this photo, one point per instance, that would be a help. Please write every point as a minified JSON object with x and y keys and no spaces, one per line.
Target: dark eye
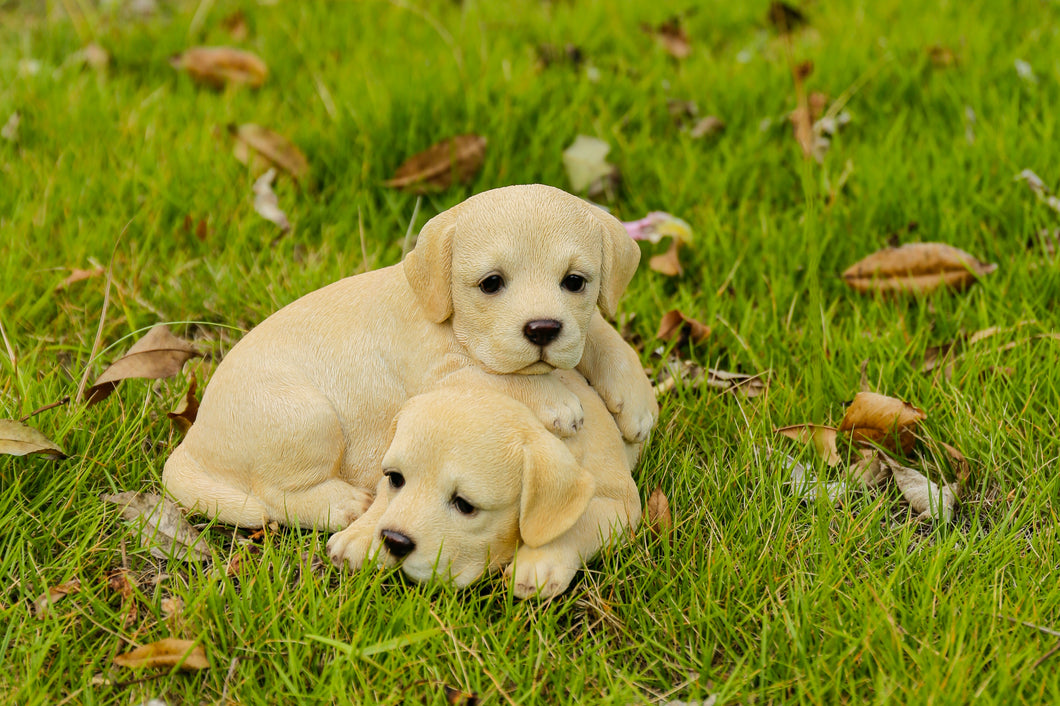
{"x":492,"y":284}
{"x":396,"y":479}
{"x":463,"y":506}
{"x":573,"y":283}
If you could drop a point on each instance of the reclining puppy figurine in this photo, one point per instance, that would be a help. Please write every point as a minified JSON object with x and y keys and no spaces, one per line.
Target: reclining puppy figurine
{"x":472,"y":481}
{"x":499,"y":290}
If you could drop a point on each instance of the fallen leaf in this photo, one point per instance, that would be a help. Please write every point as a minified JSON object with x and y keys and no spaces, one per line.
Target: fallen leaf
{"x":962,"y":469}
{"x":456,"y":159}
{"x":18,"y":439}
{"x":749,"y":386}
{"x":785,"y":17}
{"x":169,"y":652}
{"x":10,"y":129}
{"x":705,"y":127}
{"x":868,"y":471}
{"x":806,"y":485}
{"x":455,"y":697}
{"x":916,"y":268}
{"x":549,"y":54}
{"x":217,"y":66}
{"x":657,"y":509}
{"x":54,"y":594}
{"x":658,"y":225}
{"x":586,"y":163}
{"x":1035,"y":184}
{"x":674,"y":324}
{"x":822,"y":437}
{"x":120,"y":583}
{"x":924,"y":496}
{"x":874,"y":419}
{"x":159,"y":354}
{"x":162,"y":527}
{"x":254,"y":141}
{"x":941,"y":56}
{"x":184,"y":415}
{"x":669,"y":262}
{"x":78,"y":275}
{"x":266,"y":204}
{"x":236,"y":25}
{"x":91,"y":55}
{"x":672,"y":36}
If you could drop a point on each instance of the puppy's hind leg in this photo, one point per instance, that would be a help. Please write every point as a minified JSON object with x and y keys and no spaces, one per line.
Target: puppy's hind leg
{"x":194,"y":488}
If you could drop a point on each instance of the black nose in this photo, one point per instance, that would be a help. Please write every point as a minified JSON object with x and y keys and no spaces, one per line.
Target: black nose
{"x":397,"y":544}
{"x":542,"y":331}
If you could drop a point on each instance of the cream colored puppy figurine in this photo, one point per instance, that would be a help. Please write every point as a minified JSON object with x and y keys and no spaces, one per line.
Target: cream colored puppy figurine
{"x":473,"y":482}
{"x":499,"y":290}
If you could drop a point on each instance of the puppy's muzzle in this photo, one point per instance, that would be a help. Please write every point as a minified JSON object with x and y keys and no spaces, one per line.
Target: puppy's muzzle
{"x":397,"y":544}
{"x":542,"y":332}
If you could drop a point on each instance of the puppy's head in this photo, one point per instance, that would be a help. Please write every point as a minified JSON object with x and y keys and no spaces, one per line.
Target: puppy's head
{"x":468,"y":476}
{"x":520,"y":270}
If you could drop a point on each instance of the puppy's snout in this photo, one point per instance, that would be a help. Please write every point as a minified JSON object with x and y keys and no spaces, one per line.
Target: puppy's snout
{"x":542,"y":332}
{"x":397,"y":544}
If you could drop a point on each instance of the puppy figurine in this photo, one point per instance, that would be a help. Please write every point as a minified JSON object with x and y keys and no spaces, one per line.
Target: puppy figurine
{"x":473,"y":481}
{"x":499,"y":290}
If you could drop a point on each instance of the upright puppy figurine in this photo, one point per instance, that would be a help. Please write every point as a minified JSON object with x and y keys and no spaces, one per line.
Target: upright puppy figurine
{"x":498,"y":291}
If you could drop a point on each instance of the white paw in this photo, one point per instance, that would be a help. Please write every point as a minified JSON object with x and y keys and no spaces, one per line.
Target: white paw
{"x":565,"y":417}
{"x":539,"y":573}
{"x":351,"y":546}
{"x":348,"y":507}
{"x":635,"y":425}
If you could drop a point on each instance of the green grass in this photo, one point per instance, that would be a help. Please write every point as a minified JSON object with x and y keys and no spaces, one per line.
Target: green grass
{"x":756,"y":597}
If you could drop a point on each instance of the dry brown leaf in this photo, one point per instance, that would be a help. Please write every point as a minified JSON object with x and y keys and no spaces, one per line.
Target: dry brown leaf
{"x":217,"y":66}
{"x":941,"y":56}
{"x":874,"y":419}
{"x":162,"y":527}
{"x":710,"y":125}
{"x":78,"y":275}
{"x":120,"y":583}
{"x":822,"y":437}
{"x":924,"y":496}
{"x":169,"y":652}
{"x":252,"y":141}
{"x":456,"y":159}
{"x":54,"y":594}
{"x":236,"y":25}
{"x":184,"y":415}
{"x":455,"y":697}
{"x":674,"y":324}
{"x":159,"y":354}
{"x":18,"y":439}
{"x":657,"y":509}
{"x":672,"y":36}
{"x":586,"y":163}
{"x":749,"y":386}
{"x":868,"y":471}
{"x":669,"y":262}
{"x":918,"y":268}
{"x":266,"y":203}
{"x":784,"y":17}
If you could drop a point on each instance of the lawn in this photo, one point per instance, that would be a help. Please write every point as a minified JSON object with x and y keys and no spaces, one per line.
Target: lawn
{"x":756,"y":596}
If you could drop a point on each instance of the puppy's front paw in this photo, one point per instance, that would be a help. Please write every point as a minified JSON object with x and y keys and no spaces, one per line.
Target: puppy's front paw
{"x":348,"y":507}
{"x":635,"y":425}
{"x":350,"y":546}
{"x":634,"y":408}
{"x":565,"y":417}
{"x":540,"y":573}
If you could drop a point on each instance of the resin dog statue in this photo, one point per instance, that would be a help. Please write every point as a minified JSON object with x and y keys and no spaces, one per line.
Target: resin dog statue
{"x":500,"y":290}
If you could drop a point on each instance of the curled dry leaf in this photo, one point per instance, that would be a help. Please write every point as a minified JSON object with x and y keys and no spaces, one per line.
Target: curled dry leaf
{"x":822,"y":437}
{"x":454,"y":160}
{"x":586,"y":163}
{"x":749,"y":386}
{"x":159,"y":354}
{"x":917,"y":268}
{"x":254,"y":141}
{"x":658,"y":225}
{"x":455,"y":697}
{"x":705,"y":127}
{"x":669,"y":262}
{"x":53,"y":595}
{"x":266,"y":204}
{"x":161,"y":525}
{"x":78,"y":275}
{"x":217,"y":66}
{"x":170,"y":652}
{"x":873,"y":419}
{"x":924,"y":496}
{"x":806,"y":485}
{"x":869,"y":471}
{"x":18,"y":439}
{"x":657,"y":509}
{"x":685,"y":329}
{"x":672,"y":36}
{"x":184,"y":415}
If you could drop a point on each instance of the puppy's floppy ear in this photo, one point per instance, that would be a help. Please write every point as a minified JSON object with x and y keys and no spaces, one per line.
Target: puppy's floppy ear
{"x":429,"y":267}
{"x":556,"y":490}
{"x":621,"y":255}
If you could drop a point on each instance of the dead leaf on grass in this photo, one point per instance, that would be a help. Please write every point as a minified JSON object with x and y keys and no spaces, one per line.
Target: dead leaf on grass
{"x":257,"y":145}
{"x":822,"y":437}
{"x":53,"y":595}
{"x":266,"y":203}
{"x":162,"y":527}
{"x":236,"y":26}
{"x":184,"y":415}
{"x":669,"y":262}
{"x":685,"y":329}
{"x":942,"y":57}
{"x":785,"y":17}
{"x":806,"y":485}
{"x":79,"y":275}
{"x":868,"y":471}
{"x":1035,"y":184}
{"x":586,"y":163}
{"x":217,"y":66}
{"x":916,"y":268}
{"x":454,"y":160}
{"x":455,"y":697}
{"x":672,"y":36}
{"x":658,"y":225}
{"x":749,"y":386}
{"x":159,"y":354}
{"x":169,"y":652}
{"x":705,"y":127}
{"x":657,"y":509}
{"x":924,"y":496}
{"x":18,"y":439}
{"x":873,"y":419}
